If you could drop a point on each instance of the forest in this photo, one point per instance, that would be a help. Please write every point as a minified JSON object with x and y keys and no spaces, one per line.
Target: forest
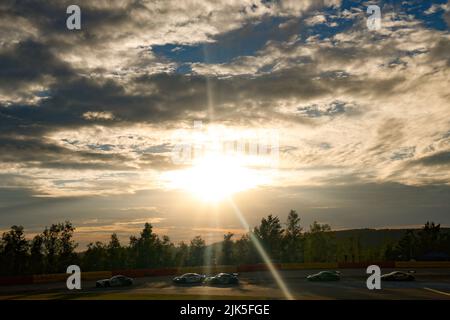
{"x":54,"y":249}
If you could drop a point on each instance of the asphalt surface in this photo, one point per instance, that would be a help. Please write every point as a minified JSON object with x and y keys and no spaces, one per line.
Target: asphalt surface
{"x":429,"y":284}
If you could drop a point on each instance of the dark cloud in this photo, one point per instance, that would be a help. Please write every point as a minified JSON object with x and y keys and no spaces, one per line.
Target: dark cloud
{"x":31,"y":152}
{"x":389,"y":136}
{"x":49,"y":17}
{"x":155,"y":98}
{"x":176,"y":97}
{"x":28,"y":62}
{"x":37,"y":153}
{"x":376,"y":204}
{"x":403,"y":153}
{"x":438,"y":159}
{"x":440,"y":51}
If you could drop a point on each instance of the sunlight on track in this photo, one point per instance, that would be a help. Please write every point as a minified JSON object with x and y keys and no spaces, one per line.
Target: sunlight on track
{"x":263,"y":253}
{"x":438,"y":291}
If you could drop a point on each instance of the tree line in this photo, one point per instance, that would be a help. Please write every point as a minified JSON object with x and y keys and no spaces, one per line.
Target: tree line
{"x":54,"y":249}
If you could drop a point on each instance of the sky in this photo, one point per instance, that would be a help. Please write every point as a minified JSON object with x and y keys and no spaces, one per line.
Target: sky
{"x":90,"y":118}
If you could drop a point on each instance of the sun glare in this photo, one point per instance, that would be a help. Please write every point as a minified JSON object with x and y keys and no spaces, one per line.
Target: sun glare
{"x":214,"y":178}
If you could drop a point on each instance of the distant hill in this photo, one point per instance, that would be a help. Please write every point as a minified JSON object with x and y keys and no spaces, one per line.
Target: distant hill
{"x":371,"y":237}
{"x":367,"y":237}
{"x":375,"y":237}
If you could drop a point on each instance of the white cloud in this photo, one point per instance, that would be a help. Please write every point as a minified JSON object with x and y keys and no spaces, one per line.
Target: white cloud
{"x":94,"y":115}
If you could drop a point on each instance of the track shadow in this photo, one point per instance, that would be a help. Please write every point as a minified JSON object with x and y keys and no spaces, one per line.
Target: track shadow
{"x":187,"y":285}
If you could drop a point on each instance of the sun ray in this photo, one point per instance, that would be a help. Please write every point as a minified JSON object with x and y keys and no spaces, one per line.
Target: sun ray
{"x":276,"y":275}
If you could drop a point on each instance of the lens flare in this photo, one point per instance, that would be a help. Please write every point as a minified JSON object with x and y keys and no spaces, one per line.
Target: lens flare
{"x":276,"y":275}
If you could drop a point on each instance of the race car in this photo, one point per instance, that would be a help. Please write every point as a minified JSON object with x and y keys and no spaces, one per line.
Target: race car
{"x":398,"y":276}
{"x":223,"y":278}
{"x":325,"y":276}
{"x":116,"y":281}
{"x":189,"y":278}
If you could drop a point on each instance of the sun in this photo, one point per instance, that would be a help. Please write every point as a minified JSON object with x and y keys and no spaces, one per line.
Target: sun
{"x":214,"y":178}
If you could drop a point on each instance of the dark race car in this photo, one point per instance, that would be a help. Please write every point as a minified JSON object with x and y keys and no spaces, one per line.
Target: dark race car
{"x":223,"y":279}
{"x":398,"y":276}
{"x":325,"y":276}
{"x":189,"y":278}
{"x":116,"y":281}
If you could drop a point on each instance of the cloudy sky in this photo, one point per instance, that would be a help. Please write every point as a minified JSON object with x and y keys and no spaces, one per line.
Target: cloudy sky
{"x":88,"y":117}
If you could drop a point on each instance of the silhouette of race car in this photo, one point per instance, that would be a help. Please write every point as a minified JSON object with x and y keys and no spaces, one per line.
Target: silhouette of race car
{"x":223,"y":278}
{"x":398,"y":276}
{"x":325,"y":276}
{"x":189,"y":278}
{"x":116,"y":281}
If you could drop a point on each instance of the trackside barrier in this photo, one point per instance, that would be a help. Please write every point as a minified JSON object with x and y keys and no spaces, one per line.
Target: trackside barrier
{"x":47,"y":278}
{"x":363,"y":265}
{"x":138,"y":273}
{"x":182,"y":270}
{"x":227,"y":269}
{"x":13,"y":280}
{"x":315,"y":265}
{"x":61,"y":277}
{"x":256,"y":267}
{"x":422,"y":264}
{"x":208,"y":269}
{"x":95,"y":275}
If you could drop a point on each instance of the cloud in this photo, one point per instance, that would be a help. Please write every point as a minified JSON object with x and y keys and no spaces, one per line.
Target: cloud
{"x":92,"y":112}
{"x":93,"y":115}
{"x":317,"y":19}
{"x":438,"y":159}
{"x":27,"y":69}
{"x":37,"y":153}
{"x":333,"y":109}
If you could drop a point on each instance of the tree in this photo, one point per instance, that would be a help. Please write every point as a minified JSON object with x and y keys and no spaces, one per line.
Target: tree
{"x":389,"y":252}
{"x":245,"y":251}
{"x":227,"y":249}
{"x":37,"y":257}
{"x":2,"y":259}
{"x":95,"y":257}
{"x":320,"y":245}
{"x":429,"y":238}
{"x":445,"y":243}
{"x":406,"y":248}
{"x":146,"y":248}
{"x":67,"y":254}
{"x":269,"y":233}
{"x":15,"y":251}
{"x":182,"y":255}
{"x":59,"y":247}
{"x":197,"y":251}
{"x":132,"y":252}
{"x":115,"y":253}
{"x":51,"y":243}
{"x":417,"y":245}
{"x":165,"y":252}
{"x":292,"y":241}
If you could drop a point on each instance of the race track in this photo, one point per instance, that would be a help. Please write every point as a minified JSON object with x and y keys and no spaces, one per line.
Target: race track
{"x":429,"y":284}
